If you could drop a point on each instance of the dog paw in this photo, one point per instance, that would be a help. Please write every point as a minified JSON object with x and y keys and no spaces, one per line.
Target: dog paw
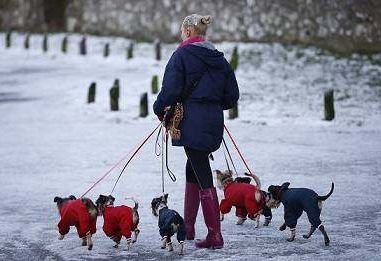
{"x":282,"y":227}
{"x":90,"y":247}
{"x":170,"y":247}
{"x":290,"y":239}
{"x":116,"y":245}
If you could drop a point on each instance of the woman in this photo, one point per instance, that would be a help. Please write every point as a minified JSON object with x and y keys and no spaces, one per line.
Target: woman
{"x":197,"y":63}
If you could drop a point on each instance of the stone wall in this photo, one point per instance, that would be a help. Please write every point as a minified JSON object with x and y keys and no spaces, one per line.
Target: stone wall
{"x":342,"y":26}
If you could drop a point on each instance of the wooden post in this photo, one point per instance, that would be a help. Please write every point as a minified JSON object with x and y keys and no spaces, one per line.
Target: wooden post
{"x":114,"y":96}
{"x":91,"y":93}
{"x":27,"y":41}
{"x":233,"y":112}
{"x":8,"y":39}
{"x":82,"y":46}
{"x":157,"y":49}
{"x":106,"y":50}
{"x":234,"y":59}
{"x":155,"y":84}
{"x":130,"y":51}
{"x":45,"y":43}
{"x":143,"y":105}
{"x":329,"y":110}
{"x":64,"y":44}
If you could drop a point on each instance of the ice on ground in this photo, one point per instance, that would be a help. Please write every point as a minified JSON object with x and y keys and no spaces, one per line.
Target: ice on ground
{"x":53,"y":143}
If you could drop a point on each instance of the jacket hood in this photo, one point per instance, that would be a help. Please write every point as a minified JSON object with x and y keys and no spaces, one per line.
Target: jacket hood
{"x":206,"y":52}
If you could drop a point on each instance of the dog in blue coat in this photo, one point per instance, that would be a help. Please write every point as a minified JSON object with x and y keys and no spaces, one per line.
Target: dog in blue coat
{"x":295,"y":201}
{"x":170,"y":223}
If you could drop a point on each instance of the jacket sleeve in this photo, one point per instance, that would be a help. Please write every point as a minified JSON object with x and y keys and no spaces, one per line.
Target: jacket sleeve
{"x":173,"y":83}
{"x":231,"y":91}
{"x":84,"y":223}
{"x":63,"y":227}
{"x":125,"y":227}
{"x":225,"y":206}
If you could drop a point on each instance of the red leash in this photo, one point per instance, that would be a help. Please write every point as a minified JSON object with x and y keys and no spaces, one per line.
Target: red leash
{"x":236,"y":147}
{"x":136,"y":149}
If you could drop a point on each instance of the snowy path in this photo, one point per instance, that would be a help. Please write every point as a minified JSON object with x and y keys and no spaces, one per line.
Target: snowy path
{"x":52,"y":143}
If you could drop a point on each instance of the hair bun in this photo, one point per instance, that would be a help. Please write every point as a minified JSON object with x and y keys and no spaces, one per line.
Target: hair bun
{"x":206,"y":19}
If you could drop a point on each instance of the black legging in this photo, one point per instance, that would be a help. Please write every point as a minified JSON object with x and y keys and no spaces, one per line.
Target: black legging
{"x":198,"y":168}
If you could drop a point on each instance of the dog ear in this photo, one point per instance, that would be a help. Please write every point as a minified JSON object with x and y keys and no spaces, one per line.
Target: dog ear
{"x":71,"y":197}
{"x":285,"y":185}
{"x":166,"y":197}
{"x":111,"y":198}
{"x":57,"y":200}
{"x":218,"y":172}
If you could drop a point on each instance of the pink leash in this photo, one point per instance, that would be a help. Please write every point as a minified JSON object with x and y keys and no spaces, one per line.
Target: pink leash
{"x":136,"y":149}
{"x":236,"y":147}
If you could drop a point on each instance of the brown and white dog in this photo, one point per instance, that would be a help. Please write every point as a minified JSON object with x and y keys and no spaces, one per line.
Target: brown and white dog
{"x":119,"y":221}
{"x":248,"y":199}
{"x":81,"y":213}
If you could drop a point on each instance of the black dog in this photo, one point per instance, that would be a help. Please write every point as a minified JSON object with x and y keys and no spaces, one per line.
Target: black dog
{"x":170,"y":223}
{"x":295,"y":201}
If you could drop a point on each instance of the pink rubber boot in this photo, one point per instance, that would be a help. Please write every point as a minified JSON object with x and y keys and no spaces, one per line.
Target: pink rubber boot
{"x":191,"y":204}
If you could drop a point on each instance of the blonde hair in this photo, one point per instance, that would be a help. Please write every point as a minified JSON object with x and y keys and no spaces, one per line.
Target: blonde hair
{"x":198,"y":22}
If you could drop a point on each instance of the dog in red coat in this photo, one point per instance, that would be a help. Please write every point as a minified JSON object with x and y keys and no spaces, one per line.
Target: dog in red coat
{"x":248,"y":199}
{"x":119,"y":221}
{"x":81,"y":213}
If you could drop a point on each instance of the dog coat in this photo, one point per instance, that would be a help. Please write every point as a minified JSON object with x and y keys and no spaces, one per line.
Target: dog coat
{"x":167,"y":217}
{"x":75,"y":213}
{"x":242,"y":196}
{"x":297,"y":200}
{"x":118,"y":222}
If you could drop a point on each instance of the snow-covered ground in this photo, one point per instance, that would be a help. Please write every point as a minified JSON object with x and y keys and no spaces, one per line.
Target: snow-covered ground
{"x":53,"y":143}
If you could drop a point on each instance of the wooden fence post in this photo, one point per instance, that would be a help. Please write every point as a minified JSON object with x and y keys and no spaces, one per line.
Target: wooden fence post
{"x":329,"y":109}
{"x":45,"y":43}
{"x":91,"y":93}
{"x":143,"y":105}
{"x":82,"y":46}
{"x":106,"y":50}
{"x":157,"y":49}
{"x":114,"y":96}
{"x":155,"y":84}
{"x":27,"y":41}
{"x":64,"y":44}
{"x":8,"y":39}
{"x":233,"y":112}
{"x":130,"y":51}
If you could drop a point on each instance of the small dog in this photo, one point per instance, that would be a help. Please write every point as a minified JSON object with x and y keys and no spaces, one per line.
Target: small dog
{"x":170,"y":223}
{"x":118,"y":221}
{"x":81,"y":213}
{"x":295,"y":201}
{"x":248,"y":199}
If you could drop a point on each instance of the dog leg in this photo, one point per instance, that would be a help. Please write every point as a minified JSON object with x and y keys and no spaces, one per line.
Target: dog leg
{"x":240,"y":221}
{"x":89,"y":242}
{"x":169,"y":246}
{"x":129,"y":242}
{"x":283,"y":227}
{"x":164,"y":242}
{"x":267,"y":222}
{"x":257,"y":221}
{"x":136,"y":234}
{"x":326,"y":238}
{"x":221,"y":217}
{"x":292,"y":236}
{"x":60,"y":237}
{"x":181,"y":247}
{"x":312,"y":230}
{"x":84,"y":241}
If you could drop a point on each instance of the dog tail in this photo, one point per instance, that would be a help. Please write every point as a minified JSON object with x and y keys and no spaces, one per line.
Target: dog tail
{"x":256,"y":179}
{"x":322,"y":198}
{"x":136,"y":206}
